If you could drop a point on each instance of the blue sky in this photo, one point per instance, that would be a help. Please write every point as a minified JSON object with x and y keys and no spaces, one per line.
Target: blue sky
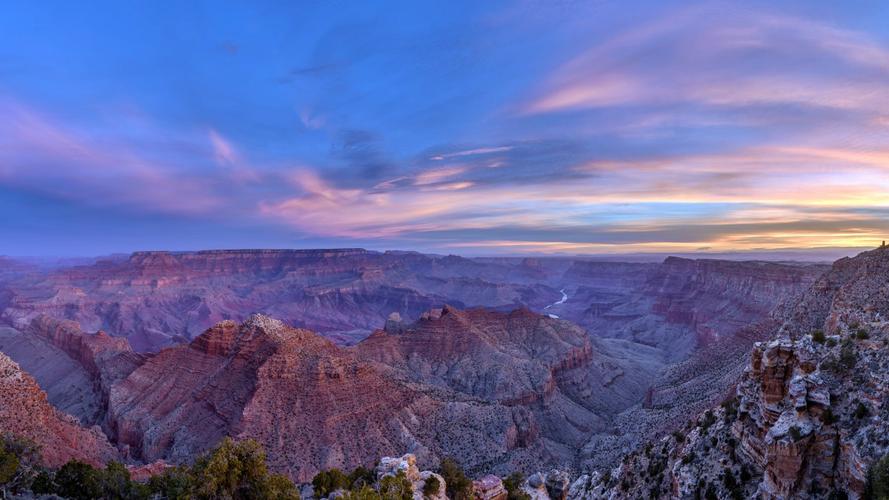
{"x":462,"y":127}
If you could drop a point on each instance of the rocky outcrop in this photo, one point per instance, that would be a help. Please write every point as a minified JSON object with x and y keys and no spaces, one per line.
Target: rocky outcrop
{"x":407,"y":464}
{"x":311,"y":404}
{"x":562,"y":385}
{"x":809,"y":413}
{"x":489,"y":487}
{"x":68,"y":385}
{"x":26,"y":413}
{"x":107,"y":359}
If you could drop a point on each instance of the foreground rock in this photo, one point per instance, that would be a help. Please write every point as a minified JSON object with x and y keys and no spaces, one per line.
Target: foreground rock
{"x":26,"y":413}
{"x":407,"y":464}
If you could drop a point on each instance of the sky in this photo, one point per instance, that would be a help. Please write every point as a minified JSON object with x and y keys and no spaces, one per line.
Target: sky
{"x":475,"y":128}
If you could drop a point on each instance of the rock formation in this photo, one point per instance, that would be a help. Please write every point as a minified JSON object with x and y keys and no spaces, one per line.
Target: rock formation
{"x":407,"y":464}
{"x":26,"y":413}
{"x":561,"y":384}
{"x":514,"y":390}
{"x":489,"y":487}
{"x":684,"y":304}
{"x":809,"y":413}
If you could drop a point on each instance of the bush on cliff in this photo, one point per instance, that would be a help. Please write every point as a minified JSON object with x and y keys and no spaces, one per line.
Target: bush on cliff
{"x":431,"y":486}
{"x":235,"y":471}
{"x":361,"y":476}
{"x":513,"y":484}
{"x":19,"y":459}
{"x":327,"y":481}
{"x":878,"y":480}
{"x":396,"y":487}
{"x":459,"y":487}
{"x":365,"y":492}
{"x":238,"y":471}
{"x":9,"y":465}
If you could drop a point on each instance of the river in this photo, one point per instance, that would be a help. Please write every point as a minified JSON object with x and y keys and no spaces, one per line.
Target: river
{"x":560,"y":301}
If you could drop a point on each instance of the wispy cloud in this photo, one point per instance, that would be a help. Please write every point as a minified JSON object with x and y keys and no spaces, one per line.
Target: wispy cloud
{"x":723,"y":56}
{"x":705,"y":125}
{"x":41,"y":154}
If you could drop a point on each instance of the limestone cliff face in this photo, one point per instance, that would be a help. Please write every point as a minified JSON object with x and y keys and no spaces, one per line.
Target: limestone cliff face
{"x":26,"y":413}
{"x":106,"y":358}
{"x":158,"y":299}
{"x":809,"y":414}
{"x":682,"y":305}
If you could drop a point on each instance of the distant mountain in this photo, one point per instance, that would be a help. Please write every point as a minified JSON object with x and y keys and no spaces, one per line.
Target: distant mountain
{"x":164,"y":298}
{"x":157,"y":299}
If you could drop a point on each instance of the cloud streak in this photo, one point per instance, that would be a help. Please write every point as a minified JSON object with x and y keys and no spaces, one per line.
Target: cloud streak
{"x":466,"y":129}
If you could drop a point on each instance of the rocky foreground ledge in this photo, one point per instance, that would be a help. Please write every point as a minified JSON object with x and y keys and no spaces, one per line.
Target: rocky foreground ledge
{"x":430,"y":485}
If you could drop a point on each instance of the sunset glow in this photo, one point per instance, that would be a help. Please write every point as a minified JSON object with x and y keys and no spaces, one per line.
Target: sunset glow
{"x":477,"y":128}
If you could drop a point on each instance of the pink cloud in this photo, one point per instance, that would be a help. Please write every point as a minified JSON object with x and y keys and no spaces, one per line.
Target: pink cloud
{"x":709,"y":56}
{"x":43,"y":155}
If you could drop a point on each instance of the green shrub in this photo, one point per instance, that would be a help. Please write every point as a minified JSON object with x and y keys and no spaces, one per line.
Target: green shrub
{"x":831,"y":343}
{"x":862,"y":334}
{"x":238,"y":470}
{"x":174,"y":483}
{"x":364,"y":492}
{"x":361,"y":476}
{"x":459,"y":487}
{"x":396,"y":487}
{"x":431,"y":486}
{"x":9,"y":464}
{"x":43,"y":483}
{"x":795,"y":433}
{"x":678,"y":436}
{"x":827,"y":417}
{"x":878,"y":480}
{"x":19,"y":459}
{"x":327,"y":481}
{"x":513,"y":484}
{"x":116,"y":483}
{"x":818,"y":336}
{"x":78,"y":481}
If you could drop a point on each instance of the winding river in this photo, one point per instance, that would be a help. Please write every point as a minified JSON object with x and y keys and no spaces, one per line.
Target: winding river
{"x":560,"y":301}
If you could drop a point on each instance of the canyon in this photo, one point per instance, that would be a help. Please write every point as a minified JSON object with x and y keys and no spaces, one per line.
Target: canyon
{"x":805,"y":418}
{"x":334,"y":358}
